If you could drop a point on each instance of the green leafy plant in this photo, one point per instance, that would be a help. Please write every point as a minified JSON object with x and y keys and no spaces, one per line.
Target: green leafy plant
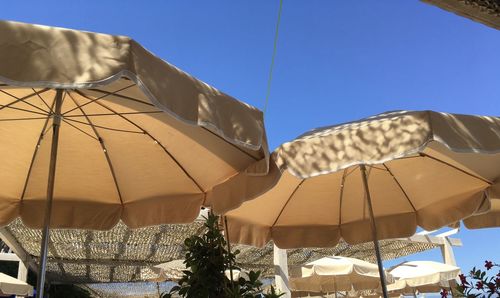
{"x":272,"y":293}
{"x":477,"y":283}
{"x":207,"y":260}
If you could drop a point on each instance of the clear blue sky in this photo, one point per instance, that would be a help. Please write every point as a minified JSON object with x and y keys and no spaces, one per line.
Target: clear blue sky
{"x":336,"y":60}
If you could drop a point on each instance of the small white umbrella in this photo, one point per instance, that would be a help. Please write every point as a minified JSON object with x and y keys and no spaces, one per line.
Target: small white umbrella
{"x":422,"y":276}
{"x":333,"y":274}
{"x":173,"y":271}
{"x":13,"y":286}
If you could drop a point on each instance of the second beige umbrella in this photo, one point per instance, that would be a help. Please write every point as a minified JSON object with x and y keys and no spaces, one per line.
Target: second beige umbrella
{"x":376,"y":178}
{"x":334,"y":274}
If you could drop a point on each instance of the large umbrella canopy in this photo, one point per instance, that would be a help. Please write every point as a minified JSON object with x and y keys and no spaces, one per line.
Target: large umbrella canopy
{"x":425,"y":169}
{"x":333,"y":274}
{"x":13,"y":286}
{"x":96,"y":129}
{"x":422,"y":276}
{"x":139,"y":140}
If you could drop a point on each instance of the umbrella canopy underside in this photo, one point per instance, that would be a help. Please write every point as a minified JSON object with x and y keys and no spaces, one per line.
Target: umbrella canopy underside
{"x":424,"y":169}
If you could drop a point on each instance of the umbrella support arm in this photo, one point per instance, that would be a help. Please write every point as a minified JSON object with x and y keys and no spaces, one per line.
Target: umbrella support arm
{"x":374,"y":232}
{"x":50,"y":193}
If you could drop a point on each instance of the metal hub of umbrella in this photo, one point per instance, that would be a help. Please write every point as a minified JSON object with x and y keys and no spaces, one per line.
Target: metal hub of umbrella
{"x":95,"y":129}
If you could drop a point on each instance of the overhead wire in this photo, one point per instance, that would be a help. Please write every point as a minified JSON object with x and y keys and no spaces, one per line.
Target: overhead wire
{"x":273,"y":58}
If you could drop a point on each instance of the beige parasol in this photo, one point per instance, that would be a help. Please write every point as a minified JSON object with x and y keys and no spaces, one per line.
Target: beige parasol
{"x":376,"y":178}
{"x":422,"y":276}
{"x":334,"y":274}
{"x":134,"y":137}
{"x":13,"y":286}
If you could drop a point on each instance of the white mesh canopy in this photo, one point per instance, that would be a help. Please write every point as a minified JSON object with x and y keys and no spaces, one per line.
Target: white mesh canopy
{"x":127,"y":255}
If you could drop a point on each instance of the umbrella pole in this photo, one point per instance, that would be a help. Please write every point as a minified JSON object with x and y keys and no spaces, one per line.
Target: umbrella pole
{"x":374,"y":232}
{"x":228,"y":250}
{"x":50,"y":192}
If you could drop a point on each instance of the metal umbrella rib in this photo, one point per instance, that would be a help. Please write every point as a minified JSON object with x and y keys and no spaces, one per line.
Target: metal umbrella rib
{"x":25,"y":100}
{"x":35,"y":151}
{"x":400,"y":187}
{"x":123,"y":96}
{"x":230,"y":143}
{"x":95,"y":99}
{"x":22,"y":98}
{"x":103,"y":127}
{"x":288,"y":201}
{"x":456,"y":168}
{"x":41,"y":98}
{"x":79,"y":129}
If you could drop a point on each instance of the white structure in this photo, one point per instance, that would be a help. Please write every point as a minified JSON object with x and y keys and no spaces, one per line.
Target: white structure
{"x":13,"y":256}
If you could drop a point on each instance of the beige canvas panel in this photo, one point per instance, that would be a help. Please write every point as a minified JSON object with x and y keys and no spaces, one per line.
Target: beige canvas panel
{"x":371,"y":141}
{"x":82,"y":172}
{"x":305,"y":236}
{"x":440,"y":180}
{"x":159,"y":210}
{"x":384,"y":137}
{"x":274,"y":201}
{"x":466,"y":131}
{"x":242,"y":187}
{"x":256,"y":229}
{"x":314,"y":202}
{"x":142,"y":167}
{"x":388,"y":227}
{"x":479,"y":165}
{"x":69,"y":214}
{"x":16,"y":153}
{"x":387,"y":197}
{"x":200,"y":153}
{"x":433,"y":187}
